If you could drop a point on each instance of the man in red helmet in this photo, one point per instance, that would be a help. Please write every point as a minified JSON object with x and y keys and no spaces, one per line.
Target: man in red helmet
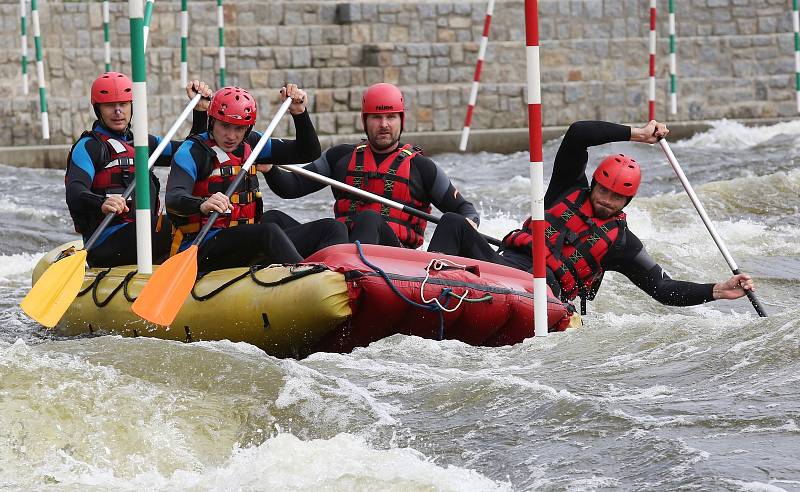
{"x":206,"y":164}
{"x":384,"y":166}
{"x":100,"y":166}
{"x":586,"y":231}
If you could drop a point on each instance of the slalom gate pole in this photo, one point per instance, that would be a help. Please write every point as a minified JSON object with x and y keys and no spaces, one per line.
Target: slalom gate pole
{"x":106,"y":37}
{"x":673,"y":65}
{"x":537,"y":166}
{"x":144,"y":255}
{"x":473,"y":95}
{"x":148,"y":17}
{"x":221,"y":29}
{"x":651,"y":105}
{"x":24,"y":44}
{"x":796,"y":23}
{"x":184,"y":42}
{"x":37,"y":41}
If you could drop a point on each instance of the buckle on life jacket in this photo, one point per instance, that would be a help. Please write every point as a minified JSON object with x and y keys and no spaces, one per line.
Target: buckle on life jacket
{"x":239,"y":222}
{"x":225,"y":171}
{"x":121,"y":162}
{"x":244,"y":197}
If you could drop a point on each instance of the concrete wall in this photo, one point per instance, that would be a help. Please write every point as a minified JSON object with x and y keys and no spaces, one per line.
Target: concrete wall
{"x":735,"y":60}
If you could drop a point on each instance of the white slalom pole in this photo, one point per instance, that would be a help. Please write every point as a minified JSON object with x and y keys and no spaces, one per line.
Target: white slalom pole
{"x":24,"y":44}
{"x":144,"y":253}
{"x":537,"y":167}
{"x":37,"y":41}
{"x":106,"y":36}
{"x":796,"y":23}
{"x":651,"y":106}
{"x":673,"y":66}
{"x":221,"y":30}
{"x":473,"y":95}
{"x":148,"y":16}
{"x":184,"y":42}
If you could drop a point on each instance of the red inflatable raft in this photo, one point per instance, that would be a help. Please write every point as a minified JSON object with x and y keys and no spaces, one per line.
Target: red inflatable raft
{"x":393,"y":290}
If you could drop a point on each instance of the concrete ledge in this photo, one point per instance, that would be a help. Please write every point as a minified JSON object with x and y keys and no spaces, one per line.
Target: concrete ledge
{"x":504,"y":140}
{"x":47,"y":156}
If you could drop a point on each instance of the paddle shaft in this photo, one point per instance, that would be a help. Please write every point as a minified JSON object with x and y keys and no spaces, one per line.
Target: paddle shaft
{"x":150,"y":162}
{"x":711,"y":229}
{"x":371,"y":196}
{"x":245,"y":167}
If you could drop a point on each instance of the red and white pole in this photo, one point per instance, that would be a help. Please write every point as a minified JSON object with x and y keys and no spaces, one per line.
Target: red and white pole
{"x":652,"y":101}
{"x":537,"y":166}
{"x":473,"y":95}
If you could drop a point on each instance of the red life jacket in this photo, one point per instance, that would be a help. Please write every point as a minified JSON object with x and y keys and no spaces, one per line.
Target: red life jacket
{"x":392,"y":181}
{"x":216,"y":174}
{"x":113,"y":174}
{"x":576,"y":241}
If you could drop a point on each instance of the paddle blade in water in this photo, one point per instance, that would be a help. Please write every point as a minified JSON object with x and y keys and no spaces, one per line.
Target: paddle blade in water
{"x":163,"y":296}
{"x":55,"y":290}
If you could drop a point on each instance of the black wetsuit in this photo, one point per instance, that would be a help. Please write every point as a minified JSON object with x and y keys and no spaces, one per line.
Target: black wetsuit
{"x":117,"y":244}
{"x":428,"y":184}
{"x":263,"y":242}
{"x":628,"y":256}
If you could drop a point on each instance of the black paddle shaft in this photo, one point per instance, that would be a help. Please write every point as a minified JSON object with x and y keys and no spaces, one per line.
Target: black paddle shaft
{"x":435,"y":220}
{"x":107,"y":219}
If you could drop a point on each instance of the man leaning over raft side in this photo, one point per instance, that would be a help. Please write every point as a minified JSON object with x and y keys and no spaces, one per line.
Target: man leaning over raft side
{"x":587,"y":233}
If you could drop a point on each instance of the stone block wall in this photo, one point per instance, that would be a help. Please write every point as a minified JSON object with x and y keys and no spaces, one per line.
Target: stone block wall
{"x":735,"y":60}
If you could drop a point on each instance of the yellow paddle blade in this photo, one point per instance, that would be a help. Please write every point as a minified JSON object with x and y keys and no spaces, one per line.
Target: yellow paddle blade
{"x":163,"y":296}
{"x":55,"y":290}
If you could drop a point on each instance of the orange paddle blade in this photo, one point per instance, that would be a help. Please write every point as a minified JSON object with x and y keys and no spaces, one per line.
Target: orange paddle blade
{"x":55,"y":290}
{"x":163,"y":296}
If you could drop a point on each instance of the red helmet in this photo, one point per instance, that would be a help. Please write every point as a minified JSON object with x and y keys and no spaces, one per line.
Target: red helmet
{"x":380,"y":99}
{"x":620,"y":174}
{"x":233,"y":105}
{"x":112,"y":87}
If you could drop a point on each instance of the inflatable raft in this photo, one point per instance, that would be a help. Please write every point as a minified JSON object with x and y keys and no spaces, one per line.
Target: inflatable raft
{"x":340,"y":298}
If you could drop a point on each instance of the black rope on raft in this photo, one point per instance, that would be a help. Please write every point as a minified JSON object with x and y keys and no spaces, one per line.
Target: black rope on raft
{"x":125,"y":282}
{"x":251,"y":272}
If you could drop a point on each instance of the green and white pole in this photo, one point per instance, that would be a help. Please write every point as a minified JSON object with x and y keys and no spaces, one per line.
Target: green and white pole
{"x":144,"y":255}
{"x":37,"y":41}
{"x":796,"y":22}
{"x":184,"y":42}
{"x":221,"y":28}
{"x":106,"y":36}
{"x":673,"y":65}
{"x":24,"y":45}
{"x":148,"y":16}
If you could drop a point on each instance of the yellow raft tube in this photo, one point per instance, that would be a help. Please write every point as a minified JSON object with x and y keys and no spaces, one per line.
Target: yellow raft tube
{"x":284,"y":310}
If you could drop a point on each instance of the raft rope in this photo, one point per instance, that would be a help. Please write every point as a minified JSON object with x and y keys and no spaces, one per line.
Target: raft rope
{"x":251,"y":272}
{"x":436,"y":307}
{"x":438,"y":265}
